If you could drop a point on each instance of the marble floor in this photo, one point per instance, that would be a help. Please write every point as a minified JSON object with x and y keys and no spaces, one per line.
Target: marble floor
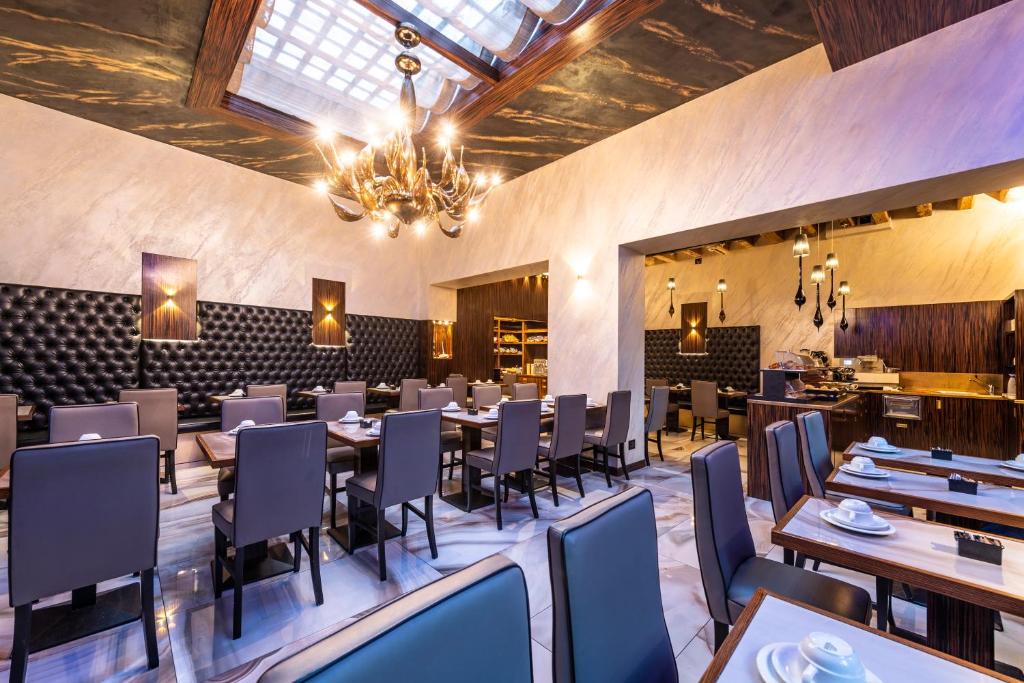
{"x":280,"y":617}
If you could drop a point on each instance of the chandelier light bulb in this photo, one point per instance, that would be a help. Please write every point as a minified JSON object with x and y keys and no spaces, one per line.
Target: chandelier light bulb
{"x":379,"y":230}
{"x":325,"y":133}
{"x":419,"y":227}
{"x":495,"y":179}
{"x":321,"y":186}
{"x":831,"y":261}
{"x":801,"y":247}
{"x":817,"y":274}
{"x":347,"y":158}
{"x":473,"y":215}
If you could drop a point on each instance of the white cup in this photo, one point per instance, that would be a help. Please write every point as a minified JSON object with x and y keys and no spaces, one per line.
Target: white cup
{"x":351,"y":415}
{"x":492,"y":413}
{"x":862,"y":464}
{"x":319,"y":388}
{"x":1020,"y":458}
{"x":855,"y":512}
{"x":91,"y":436}
{"x":830,"y":659}
{"x":382,"y":385}
{"x":877,"y":442}
{"x":452,"y":406}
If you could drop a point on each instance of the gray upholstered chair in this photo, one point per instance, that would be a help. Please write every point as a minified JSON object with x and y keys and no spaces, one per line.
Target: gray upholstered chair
{"x":484,"y":397}
{"x":263,"y":410}
{"x":522,"y":391}
{"x":784,"y":479}
{"x":704,"y":407}
{"x":261,"y":390}
{"x":340,"y":459}
{"x":514,"y":451}
{"x":351,"y":387}
{"x":158,"y":415}
{"x":507,"y":380}
{"x":460,"y":387}
{"x":600,"y":588}
{"x":657,"y":414}
{"x":280,"y":472}
{"x":109,"y":420}
{"x":730,"y":568}
{"x":406,"y":470}
{"x":610,"y":440}
{"x":484,"y":608}
{"x":566,"y":440}
{"x":451,"y":437}
{"x":8,"y":428}
{"x":408,"y":393}
{"x":114,"y":534}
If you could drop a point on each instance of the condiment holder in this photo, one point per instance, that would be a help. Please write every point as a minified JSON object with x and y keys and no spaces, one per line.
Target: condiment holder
{"x":961,"y":484}
{"x":941,"y":453}
{"x":978,"y":547}
{"x":366,"y":424}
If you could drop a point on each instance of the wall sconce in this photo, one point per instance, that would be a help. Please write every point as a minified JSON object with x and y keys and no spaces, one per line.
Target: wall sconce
{"x":801,"y":248}
{"x":721,"y":299}
{"x":844,"y":289}
{"x":817,"y":277}
{"x":694,"y":327}
{"x":441,"y":339}
{"x":168,"y":298}
{"x":831,"y":263}
{"x":671,"y":293}
{"x":328,"y":313}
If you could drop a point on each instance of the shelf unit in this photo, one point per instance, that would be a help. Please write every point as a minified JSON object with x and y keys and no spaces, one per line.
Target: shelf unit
{"x":518,"y":343}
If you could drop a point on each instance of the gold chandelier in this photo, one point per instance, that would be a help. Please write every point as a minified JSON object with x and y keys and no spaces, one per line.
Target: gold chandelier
{"x":407,"y":194}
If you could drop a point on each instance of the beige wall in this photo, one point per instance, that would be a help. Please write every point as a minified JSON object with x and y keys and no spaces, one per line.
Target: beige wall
{"x":972,"y":255}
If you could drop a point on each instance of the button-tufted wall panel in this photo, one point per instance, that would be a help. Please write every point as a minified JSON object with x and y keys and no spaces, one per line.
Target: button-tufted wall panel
{"x":733,"y":357}
{"x":383,"y":349}
{"x":63,"y":346}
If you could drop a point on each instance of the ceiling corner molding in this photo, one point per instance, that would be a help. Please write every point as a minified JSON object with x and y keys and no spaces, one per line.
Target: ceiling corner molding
{"x":227,"y":27}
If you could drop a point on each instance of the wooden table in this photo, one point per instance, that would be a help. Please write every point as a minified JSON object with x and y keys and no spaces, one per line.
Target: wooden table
{"x":982,"y":469}
{"x":771,"y":618}
{"x":962,"y":593}
{"x":309,"y":393}
{"x":993,"y":503}
{"x":217,"y":399}
{"x":26,"y":411}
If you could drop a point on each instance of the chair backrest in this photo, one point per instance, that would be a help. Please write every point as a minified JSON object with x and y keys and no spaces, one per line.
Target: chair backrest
{"x":616,"y":418}
{"x":438,"y":397}
{"x":570,"y":425}
{"x":522,"y":391}
{"x":723,"y":534}
{"x":599,"y":588}
{"x":460,"y":387}
{"x":515,"y":447}
{"x":8,"y":428}
{"x":351,"y":387}
{"x":108,"y":491}
{"x":408,"y":394}
{"x":263,"y":411}
{"x":704,"y":398}
{"x":261,"y":390}
{"x":158,"y":413}
{"x":279,"y":480}
{"x":109,"y":420}
{"x":330,"y":407}
{"x":484,"y":608}
{"x":488,"y":395}
{"x":407,"y":464}
{"x":784,"y":479}
{"x":507,"y":380}
{"x":657,"y":411}
{"x":815,"y":451}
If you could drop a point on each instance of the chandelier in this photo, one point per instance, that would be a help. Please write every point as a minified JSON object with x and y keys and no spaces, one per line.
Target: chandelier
{"x":406,"y":195}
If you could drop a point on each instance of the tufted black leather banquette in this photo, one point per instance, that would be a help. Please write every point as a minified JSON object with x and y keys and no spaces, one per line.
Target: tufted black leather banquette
{"x":60,"y":346}
{"x":733,"y":357}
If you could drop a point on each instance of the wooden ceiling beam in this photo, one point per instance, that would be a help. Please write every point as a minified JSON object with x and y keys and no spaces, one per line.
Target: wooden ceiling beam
{"x":594,"y":22}
{"x":999,"y":194}
{"x":955,"y":204}
{"x":880,"y":217}
{"x":431,"y":37}
{"x":741,"y":243}
{"x":923,"y":210}
{"x":717,"y":248}
{"x":773,"y":237}
{"x":227,"y":27}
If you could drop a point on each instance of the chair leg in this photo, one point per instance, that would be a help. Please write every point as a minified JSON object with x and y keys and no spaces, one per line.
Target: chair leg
{"x":553,"y":477}
{"x":405,"y":519}
{"x":788,"y":556}
{"x":647,"y":450}
{"x":428,"y":508}
{"x":607,"y":472}
{"x":800,"y":560}
{"x":334,"y":500}
{"x":533,"y":496}
{"x":451,"y":465}
{"x":693,"y":429}
{"x":579,"y":476}
{"x":721,"y":631}
{"x":19,"y":652}
{"x":297,"y":551}
{"x":149,"y":618}
{"x":314,"y":563}
{"x":239,"y":573}
{"x":814,"y":567}
{"x":219,"y":552}
{"x":353,"y":504}
{"x":702,"y":423}
{"x":506,"y":488}
{"x":661,"y":453}
{"x":382,"y":564}
{"x":497,"y":499}
{"x":621,"y":450}
{"x":169,"y":470}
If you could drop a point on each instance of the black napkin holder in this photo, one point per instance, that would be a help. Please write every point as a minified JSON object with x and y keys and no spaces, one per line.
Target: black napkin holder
{"x":366,"y":424}
{"x":977,"y":547}
{"x":963,"y":486}
{"x":942,"y":453}
{"x":472,"y":411}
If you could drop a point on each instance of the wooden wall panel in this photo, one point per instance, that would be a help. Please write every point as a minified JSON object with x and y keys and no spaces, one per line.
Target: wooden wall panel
{"x":525,"y":297}
{"x":693,"y":320}
{"x":168,"y":297}
{"x":956,"y":337}
{"x":328,"y":313}
{"x":853,"y":30}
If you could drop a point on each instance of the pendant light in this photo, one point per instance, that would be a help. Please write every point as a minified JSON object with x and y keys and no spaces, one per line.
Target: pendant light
{"x":817,"y":277}
{"x":831,"y":263}
{"x":801,"y":248}
{"x":671,"y":300}
{"x":844,"y":289}
{"x":721,"y":299}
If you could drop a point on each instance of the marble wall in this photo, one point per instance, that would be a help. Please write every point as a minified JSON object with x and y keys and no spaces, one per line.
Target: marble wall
{"x":971,"y":255}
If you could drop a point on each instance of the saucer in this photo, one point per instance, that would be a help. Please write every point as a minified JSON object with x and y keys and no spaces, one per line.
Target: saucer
{"x":446,"y":409}
{"x":887,"y":530}
{"x":351,"y":420}
{"x":879,"y":449}
{"x":783,"y":663}
{"x":1012,"y":465}
{"x":872,"y":474}
{"x":373,"y":432}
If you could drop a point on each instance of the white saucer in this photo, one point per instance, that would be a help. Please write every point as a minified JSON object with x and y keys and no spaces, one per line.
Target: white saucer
{"x":370,"y":432}
{"x":450,"y":410}
{"x":350,"y":421}
{"x":783,"y":663}
{"x":873,"y":474}
{"x":880,"y":449}
{"x":887,"y":530}
{"x":1012,"y":465}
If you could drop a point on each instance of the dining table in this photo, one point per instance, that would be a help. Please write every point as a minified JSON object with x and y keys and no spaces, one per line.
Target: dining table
{"x":217,"y":399}
{"x":963,"y":594}
{"x":26,"y":411}
{"x":988,"y":470}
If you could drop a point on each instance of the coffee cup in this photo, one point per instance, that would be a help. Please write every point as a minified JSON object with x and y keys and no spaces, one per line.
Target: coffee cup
{"x":862,"y":464}
{"x":830,"y":659}
{"x":492,"y":413}
{"x":878,"y":442}
{"x":856,"y":512}
{"x":549,"y":397}
{"x":452,"y":406}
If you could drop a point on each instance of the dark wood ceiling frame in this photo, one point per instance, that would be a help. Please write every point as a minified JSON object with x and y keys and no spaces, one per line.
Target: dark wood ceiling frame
{"x":227,"y":27}
{"x":853,"y":30}
{"x":556,"y":47}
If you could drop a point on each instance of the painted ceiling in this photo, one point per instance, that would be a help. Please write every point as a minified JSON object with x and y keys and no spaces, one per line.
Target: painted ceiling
{"x":128,"y":64}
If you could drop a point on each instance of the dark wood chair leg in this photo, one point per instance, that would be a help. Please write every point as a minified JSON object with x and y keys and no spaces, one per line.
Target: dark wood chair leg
{"x":621,"y":450}
{"x":816,"y":565}
{"x":788,"y":557}
{"x":297,"y":551}
{"x":170,"y":472}
{"x":353,"y":503}
{"x":647,"y":450}
{"x":382,"y":563}
{"x":405,"y":519}
{"x":239,"y":580}
{"x":721,"y":631}
{"x":506,"y":487}
{"x":497,"y":499}
{"x":19,"y":651}
{"x":334,"y":500}
{"x":314,"y":563}
{"x":553,"y":477}
{"x":693,"y":429}
{"x":531,"y":493}
{"x":579,"y":477}
{"x":428,"y":506}
{"x":451,"y":465}
{"x":883,"y":593}
{"x":149,"y":618}
{"x":661,"y":453}
{"x":800,"y":560}
{"x":607,"y":472}
{"x":219,"y":555}
{"x":702,"y":434}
